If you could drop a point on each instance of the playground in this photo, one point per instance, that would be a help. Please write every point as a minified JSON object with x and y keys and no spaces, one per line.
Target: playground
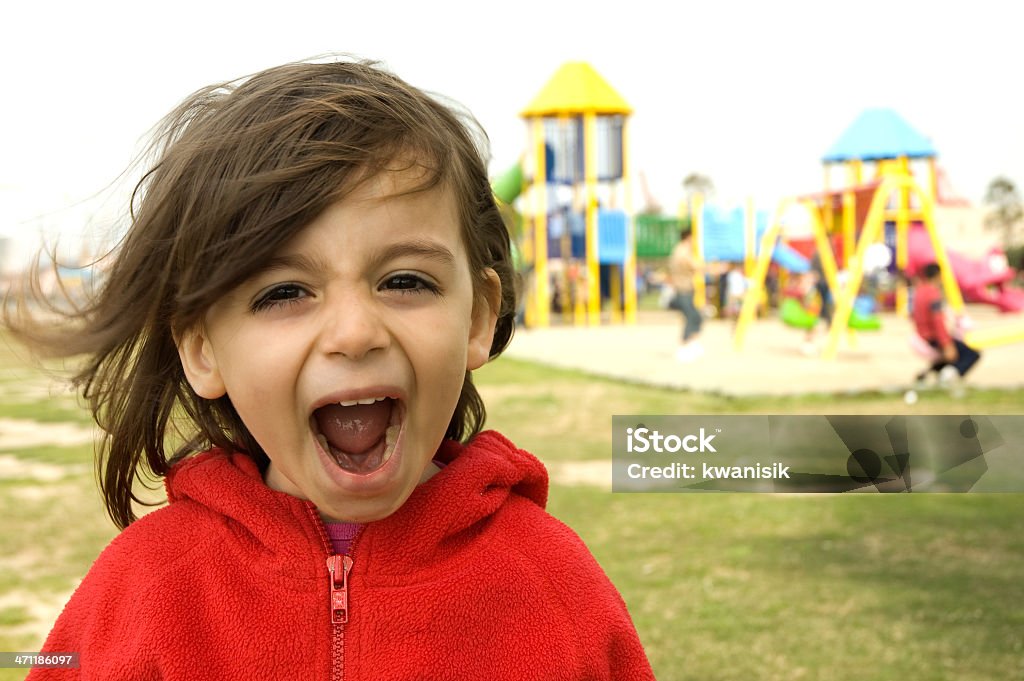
{"x":879,"y":361}
{"x":847,"y":253}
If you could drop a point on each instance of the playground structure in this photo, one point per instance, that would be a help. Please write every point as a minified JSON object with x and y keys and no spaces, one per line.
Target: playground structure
{"x":580,"y":241}
{"x":882,"y":209}
{"x":575,"y":199}
{"x":733,"y":235}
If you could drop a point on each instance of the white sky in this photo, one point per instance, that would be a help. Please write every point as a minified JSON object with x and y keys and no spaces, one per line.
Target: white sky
{"x":749,"y":93}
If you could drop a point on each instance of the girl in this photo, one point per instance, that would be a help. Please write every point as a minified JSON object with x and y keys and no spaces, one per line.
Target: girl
{"x":314,"y":267}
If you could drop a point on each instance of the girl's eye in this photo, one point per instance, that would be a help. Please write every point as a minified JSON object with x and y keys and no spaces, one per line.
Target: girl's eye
{"x":283,"y":294}
{"x":409,"y":283}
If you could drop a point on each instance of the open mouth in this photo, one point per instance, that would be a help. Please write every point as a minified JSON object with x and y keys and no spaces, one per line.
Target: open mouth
{"x":359,"y":435}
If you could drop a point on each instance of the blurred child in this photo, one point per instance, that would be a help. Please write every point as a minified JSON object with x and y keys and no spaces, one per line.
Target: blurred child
{"x":818,"y":283}
{"x":314,"y":267}
{"x":955,"y":357}
{"x":682,"y":267}
{"x":735,"y":289}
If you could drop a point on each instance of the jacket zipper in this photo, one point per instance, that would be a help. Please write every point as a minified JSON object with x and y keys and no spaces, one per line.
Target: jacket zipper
{"x":338,"y":567}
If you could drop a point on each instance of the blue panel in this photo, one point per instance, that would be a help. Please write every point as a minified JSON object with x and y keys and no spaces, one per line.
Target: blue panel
{"x":723,"y":234}
{"x":611,"y":236}
{"x":725,"y":240}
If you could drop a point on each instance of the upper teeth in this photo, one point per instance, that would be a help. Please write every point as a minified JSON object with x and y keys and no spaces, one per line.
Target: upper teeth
{"x":367,"y":400}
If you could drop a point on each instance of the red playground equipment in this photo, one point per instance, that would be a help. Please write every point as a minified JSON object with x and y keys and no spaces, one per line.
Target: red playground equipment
{"x":983,"y":280}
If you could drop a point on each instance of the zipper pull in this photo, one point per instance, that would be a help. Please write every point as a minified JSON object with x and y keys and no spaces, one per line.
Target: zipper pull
{"x":339,"y":567}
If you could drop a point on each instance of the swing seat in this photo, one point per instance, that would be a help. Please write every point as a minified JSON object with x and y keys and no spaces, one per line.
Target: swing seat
{"x":864,"y":322}
{"x":793,"y":314}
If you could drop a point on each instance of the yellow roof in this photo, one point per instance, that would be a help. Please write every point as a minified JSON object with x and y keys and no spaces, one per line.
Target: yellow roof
{"x":574,"y":89}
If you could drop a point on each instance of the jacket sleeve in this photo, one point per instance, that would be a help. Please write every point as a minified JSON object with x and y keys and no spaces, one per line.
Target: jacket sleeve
{"x":607,"y":639}
{"x":105,"y":622}
{"x":606,"y":630}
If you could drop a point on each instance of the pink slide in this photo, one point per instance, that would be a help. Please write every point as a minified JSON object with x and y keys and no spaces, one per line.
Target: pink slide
{"x":985,"y":280}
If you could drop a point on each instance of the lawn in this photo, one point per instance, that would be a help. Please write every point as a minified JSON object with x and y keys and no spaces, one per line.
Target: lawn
{"x":744,"y":586}
{"x":731,"y":586}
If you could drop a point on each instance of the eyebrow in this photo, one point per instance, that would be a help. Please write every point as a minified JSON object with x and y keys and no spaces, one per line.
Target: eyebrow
{"x":418,"y":248}
{"x":299,"y":262}
{"x":421,"y":248}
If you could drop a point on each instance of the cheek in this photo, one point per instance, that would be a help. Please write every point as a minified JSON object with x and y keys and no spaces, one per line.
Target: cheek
{"x":254,"y":369}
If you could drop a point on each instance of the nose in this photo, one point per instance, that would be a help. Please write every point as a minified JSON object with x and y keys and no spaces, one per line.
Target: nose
{"x":352,"y":326}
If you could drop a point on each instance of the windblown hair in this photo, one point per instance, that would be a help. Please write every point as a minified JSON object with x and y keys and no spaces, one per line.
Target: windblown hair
{"x":239,"y":169}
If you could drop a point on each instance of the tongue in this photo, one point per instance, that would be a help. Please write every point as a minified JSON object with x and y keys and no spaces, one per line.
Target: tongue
{"x":354,"y":430}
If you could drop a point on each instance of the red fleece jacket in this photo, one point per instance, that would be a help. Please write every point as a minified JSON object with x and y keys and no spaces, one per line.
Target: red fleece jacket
{"x":469,"y":579}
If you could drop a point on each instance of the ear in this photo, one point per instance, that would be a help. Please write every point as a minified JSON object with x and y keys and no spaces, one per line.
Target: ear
{"x":485,"y":317}
{"x":199,"y":363}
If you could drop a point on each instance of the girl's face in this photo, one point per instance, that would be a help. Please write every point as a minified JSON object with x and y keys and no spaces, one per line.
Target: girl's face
{"x":345,"y":356}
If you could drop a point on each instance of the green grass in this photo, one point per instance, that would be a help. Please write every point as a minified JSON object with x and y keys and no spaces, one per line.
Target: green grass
{"x":13,"y":616}
{"x":819,"y":587}
{"x":57,"y":410}
{"x":744,"y":586}
{"x":720,"y":586}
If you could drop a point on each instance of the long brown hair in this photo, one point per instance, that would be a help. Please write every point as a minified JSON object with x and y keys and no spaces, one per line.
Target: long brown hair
{"x":240,"y":168}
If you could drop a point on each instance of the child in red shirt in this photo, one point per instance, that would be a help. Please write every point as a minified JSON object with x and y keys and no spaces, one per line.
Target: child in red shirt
{"x":955,"y":357}
{"x":314,"y":267}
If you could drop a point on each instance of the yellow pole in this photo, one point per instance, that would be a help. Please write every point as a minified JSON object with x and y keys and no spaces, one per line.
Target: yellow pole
{"x":755,"y":291}
{"x":564,"y":285}
{"x":577,"y":294}
{"x":933,"y":179}
{"x":590,"y":176}
{"x":567,"y":283}
{"x":749,"y":238}
{"x":697,"y":222}
{"x":629,"y":273}
{"x":902,"y":228}
{"x":844,"y":299}
{"x":824,"y":246}
{"x":529,"y":308}
{"x":949,"y":285}
{"x":566,"y":127}
{"x":850,"y":219}
{"x":849,"y":226}
{"x":829,"y":214}
{"x":542,"y":294}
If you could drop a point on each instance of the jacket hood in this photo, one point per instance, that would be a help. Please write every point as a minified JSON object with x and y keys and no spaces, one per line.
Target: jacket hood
{"x":442,"y":514}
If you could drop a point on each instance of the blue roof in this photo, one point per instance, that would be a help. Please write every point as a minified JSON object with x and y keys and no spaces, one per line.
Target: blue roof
{"x":879,"y":134}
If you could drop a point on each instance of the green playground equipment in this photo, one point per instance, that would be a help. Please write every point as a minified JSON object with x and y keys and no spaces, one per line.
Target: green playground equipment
{"x":796,"y":315}
{"x":509,"y":185}
{"x":656,"y":235}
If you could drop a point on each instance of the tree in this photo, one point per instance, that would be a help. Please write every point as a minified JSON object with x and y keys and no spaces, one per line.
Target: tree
{"x":1006,"y":210}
